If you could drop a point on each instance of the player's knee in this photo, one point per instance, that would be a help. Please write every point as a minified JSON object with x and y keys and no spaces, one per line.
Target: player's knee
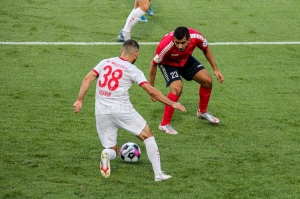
{"x":176,"y":88}
{"x":146,"y":133}
{"x":177,"y":91}
{"x":207,"y":83}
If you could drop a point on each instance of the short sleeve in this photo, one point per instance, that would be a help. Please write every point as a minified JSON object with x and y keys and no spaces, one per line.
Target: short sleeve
{"x":138,"y":76}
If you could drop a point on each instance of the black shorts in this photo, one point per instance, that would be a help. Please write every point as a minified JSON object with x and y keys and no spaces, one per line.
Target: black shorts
{"x":188,"y":71}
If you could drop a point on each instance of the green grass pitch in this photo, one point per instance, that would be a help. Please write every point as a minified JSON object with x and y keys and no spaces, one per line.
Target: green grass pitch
{"x":47,"y":151}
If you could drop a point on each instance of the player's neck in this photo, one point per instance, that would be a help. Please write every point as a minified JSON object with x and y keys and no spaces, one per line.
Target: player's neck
{"x":128,"y":58}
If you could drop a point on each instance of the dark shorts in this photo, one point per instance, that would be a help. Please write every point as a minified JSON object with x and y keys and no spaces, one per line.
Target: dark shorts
{"x":188,"y":71}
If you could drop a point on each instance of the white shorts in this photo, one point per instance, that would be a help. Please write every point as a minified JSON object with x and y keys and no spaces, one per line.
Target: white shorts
{"x":108,"y":125}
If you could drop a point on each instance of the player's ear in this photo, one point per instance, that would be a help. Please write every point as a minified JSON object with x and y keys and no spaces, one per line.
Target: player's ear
{"x":136,"y":54}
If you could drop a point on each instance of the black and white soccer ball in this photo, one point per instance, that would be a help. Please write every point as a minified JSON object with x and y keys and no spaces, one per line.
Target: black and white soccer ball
{"x":130,"y":152}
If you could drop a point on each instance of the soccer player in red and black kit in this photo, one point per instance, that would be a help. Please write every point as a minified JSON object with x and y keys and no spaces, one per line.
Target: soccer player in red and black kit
{"x":174,"y":58}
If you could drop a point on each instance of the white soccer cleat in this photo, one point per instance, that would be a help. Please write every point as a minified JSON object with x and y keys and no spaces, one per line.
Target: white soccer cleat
{"x":123,"y":36}
{"x":161,"y":177}
{"x":167,"y":129}
{"x":209,"y":117}
{"x":105,"y":164}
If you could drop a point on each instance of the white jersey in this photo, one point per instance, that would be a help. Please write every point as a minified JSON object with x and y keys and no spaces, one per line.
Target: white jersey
{"x":115,"y":77}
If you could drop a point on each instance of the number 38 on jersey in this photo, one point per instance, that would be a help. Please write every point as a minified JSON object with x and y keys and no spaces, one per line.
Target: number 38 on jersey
{"x":110,"y":78}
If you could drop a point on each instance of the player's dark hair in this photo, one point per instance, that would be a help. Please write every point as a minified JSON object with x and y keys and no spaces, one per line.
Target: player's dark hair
{"x":181,"y":32}
{"x":131,"y":47}
{"x":131,"y":44}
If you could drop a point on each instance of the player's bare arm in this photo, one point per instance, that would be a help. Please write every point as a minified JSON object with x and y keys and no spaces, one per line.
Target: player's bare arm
{"x":210,"y":58}
{"x":152,"y":73}
{"x":89,"y":78}
{"x":159,"y":96}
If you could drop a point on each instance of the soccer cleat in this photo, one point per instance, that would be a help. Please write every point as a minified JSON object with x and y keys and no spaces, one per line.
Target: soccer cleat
{"x":150,"y":11}
{"x":167,"y":129}
{"x":105,"y":164}
{"x":209,"y":117}
{"x":143,"y":19}
{"x":161,"y":177}
{"x":123,"y":36}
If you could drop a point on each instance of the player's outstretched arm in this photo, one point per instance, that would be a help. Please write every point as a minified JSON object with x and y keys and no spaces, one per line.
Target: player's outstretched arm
{"x":210,"y":58}
{"x":152,"y":73}
{"x":159,"y":96}
{"x":86,"y":82}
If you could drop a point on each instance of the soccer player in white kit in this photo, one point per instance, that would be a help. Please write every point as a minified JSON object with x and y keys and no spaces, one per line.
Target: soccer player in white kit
{"x":114,"y":110}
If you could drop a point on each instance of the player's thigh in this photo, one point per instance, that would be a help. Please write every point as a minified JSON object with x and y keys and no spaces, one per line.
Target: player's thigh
{"x":107,"y":130}
{"x":130,"y":121}
{"x":203,"y":78}
{"x":170,"y":73}
{"x":190,"y":69}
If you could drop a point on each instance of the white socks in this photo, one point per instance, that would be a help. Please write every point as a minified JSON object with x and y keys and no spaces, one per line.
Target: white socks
{"x":133,"y":19}
{"x":112,"y":153}
{"x":153,"y":154}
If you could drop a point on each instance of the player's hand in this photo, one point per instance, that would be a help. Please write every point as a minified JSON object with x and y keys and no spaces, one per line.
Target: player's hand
{"x":219,"y":76}
{"x":77,"y":106}
{"x":178,"y":106}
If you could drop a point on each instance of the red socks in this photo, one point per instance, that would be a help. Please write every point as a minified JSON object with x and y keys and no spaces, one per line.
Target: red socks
{"x":168,"y":112}
{"x":204,"y":94}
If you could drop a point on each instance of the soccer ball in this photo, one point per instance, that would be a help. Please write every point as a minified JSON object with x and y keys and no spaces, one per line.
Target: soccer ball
{"x":130,"y":152}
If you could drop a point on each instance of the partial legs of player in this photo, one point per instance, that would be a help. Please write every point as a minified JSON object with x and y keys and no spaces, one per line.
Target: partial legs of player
{"x":205,"y":81}
{"x":140,"y":8}
{"x":153,"y":153}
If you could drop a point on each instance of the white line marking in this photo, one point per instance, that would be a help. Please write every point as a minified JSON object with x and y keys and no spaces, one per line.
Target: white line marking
{"x":256,"y":43}
{"x":142,"y":43}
